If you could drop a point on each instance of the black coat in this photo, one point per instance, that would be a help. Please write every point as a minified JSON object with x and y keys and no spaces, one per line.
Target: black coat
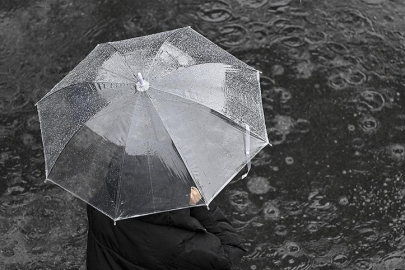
{"x":187,"y":239}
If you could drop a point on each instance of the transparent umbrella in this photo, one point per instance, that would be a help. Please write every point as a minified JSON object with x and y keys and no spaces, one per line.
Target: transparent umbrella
{"x":139,"y":122}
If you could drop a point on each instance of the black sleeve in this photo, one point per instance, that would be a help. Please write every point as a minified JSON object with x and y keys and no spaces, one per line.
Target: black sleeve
{"x":215,"y":222}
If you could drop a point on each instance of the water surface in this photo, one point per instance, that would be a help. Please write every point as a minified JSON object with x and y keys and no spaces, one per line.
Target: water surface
{"x":328,"y":195}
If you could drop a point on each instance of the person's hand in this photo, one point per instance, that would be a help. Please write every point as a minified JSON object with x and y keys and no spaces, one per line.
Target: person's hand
{"x":195,"y":196}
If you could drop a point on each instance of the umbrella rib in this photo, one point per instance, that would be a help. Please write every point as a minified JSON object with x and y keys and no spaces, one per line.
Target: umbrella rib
{"x":201,"y":64}
{"x":178,"y":150}
{"x":240,"y":64}
{"x":118,"y":196}
{"x":107,"y":112}
{"x":160,"y":49}
{"x":124,"y":60}
{"x":75,"y":84}
{"x":219,"y":114}
{"x":150,"y":180}
{"x":243,"y":64}
{"x":131,"y":79}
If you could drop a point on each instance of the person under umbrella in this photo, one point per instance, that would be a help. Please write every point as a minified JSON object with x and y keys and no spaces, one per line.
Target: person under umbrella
{"x":138,"y":124}
{"x":194,"y":238}
{"x":191,"y":238}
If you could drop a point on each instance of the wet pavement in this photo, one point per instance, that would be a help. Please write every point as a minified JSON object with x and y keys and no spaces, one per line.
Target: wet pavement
{"x":328,"y":195}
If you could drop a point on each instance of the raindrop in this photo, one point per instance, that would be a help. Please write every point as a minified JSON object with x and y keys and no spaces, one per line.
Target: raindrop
{"x":315,"y":37}
{"x":302,"y":125}
{"x":394,"y":262}
{"x":340,"y":260}
{"x":33,"y":122}
{"x":337,"y":48}
{"x":293,"y":41}
{"x":358,"y":143}
{"x":399,"y":122}
{"x":281,"y":230}
{"x":373,"y":2}
{"x":364,"y":264}
{"x":371,"y":62}
{"x":314,"y":226}
{"x":275,"y":136}
{"x":7,"y":251}
{"x":259,"y":185}
{"x":289,"y":160}
{"x":214,"y":14}
{"x":368,"y":124}
{"x":253,"y":3}
{"x":233,"y":35}
{"x":280,"y":23}
{"x":283,"y":123}
{"x":356,"y":77}
{"x":368,"y":234}
{"x":4,"y":226}
{"x":239,"y":200}
{"x":279,"y":3}
{"x":370,"y":100}
{"x":277,"y":70}
{"x":271,"y":211}
{"x":292,"y":208}
{"x":337,"y":81}
{"x":292,"y":247}
{"x":304,"y":69}
{"x":283,"y":94}
{"x":392,"y":154}
{"x":28,"y":139}
{"x":321,"y":262}
{"x":343,"y":200}
{"x":259,"y":31}
{"x":292,"y":29}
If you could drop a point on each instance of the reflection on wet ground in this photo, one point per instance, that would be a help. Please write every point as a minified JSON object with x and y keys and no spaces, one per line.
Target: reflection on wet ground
{"x":328,"y":195}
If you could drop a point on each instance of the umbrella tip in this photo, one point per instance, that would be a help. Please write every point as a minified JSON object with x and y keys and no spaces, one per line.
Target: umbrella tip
{"x":141,"y":85}
{"x":140,"y":78}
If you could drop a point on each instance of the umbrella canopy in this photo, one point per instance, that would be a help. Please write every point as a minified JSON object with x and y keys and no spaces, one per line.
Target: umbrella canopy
{"x":139,"y":122}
